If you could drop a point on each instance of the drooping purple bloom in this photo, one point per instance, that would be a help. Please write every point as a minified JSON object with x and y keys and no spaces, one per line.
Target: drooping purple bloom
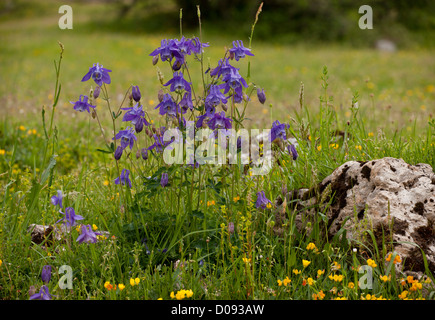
{"x":292,"y":150}
{"x":278,"y":131}
{"x":167,"y":50}
{"x":215,"y":97}
{"x":127,"y":137}
{"x":262,"y":201}
{"x":82,"y":105}
{"x":164,"y":180}
{"x":261,"y":96}
{"x":46,"y":273}
{"x":178,"y":83}
{"x":219,"y":121}
{"x":57,"y":199}
{"x":167,"y":106}
{"x":239,"y":50}
{"x":87,"y":235}
{"x":118,"y":152}
{"x":135,"y":93}
{"x":70,"y":217}
{"x":98,"y":74}
{"x":124,"y":178}
{"x":186,"y":102}
{"x":43,"y":294}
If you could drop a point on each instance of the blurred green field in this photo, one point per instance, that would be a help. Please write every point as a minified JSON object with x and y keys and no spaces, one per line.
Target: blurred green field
{"x":395,"y":89}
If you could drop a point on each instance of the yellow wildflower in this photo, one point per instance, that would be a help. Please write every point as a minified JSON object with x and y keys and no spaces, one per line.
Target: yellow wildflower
{"x":106,"y":182}
{"x":246,"y":260}
{"x":403,"y":294}
{"x":335,"y":266}
{"x":385,"y":278}
{"x":136,"y":281}
{"x":279,"y":282}
{"x":372,"y":263}
{"x":416,"y":286}
{"x":296,"y":271}
{"x":305,"y":263}
{"x":172,"y":295}
{"x":351,"y":285}
{"x":286,"y":281}
{"x":2,"y":152}
{"x":320,"y":295}
{"x":319,"y":148}
{"x":132,"y":283}
{"x":310,"y":281}
{"x":121,"y":286}
{"x":94,"y":227}
{"x":311,"y":246}
{"x":1,"y":262}
{"x":320,"y":272}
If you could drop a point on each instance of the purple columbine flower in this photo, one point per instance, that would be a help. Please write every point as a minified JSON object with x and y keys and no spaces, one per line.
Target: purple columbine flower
{"x":135,"y":115}
{"x":167,"y":50}
{"x":135,"y":93}
{"x":278,"y":131}
{"x":164,"y":180}
{"x":167,"y":106}
{"x":186,"y":102}
{"x":219,"y":121}
{"x":124,"y":178}
{"x":70,"y":217}
{"x":57,"y":199}
{"x":234,"y":80}
{"x":239,"y":50}
{"x":98,"y":74}
{"x":262,"y":202}
{"x":214,"y":96}
{"x":197,"y":46}
{"x":261,"y":96}
{"x":178,"y":83}
{"x":87,"y":235}
{"x":82,"y":105}
{"x":127,"y":137}
{"x":224,"y":67}
{"x":43,"y":294}
{"x":292,"y":150}
{"x":46,"y":273}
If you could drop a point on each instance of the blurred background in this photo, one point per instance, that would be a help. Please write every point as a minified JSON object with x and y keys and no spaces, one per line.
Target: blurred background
{"x":392,"y":66}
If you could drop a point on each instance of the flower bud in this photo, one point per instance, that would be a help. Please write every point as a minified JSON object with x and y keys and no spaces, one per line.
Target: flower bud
{"x":292,"y":150}
{"x":118,"y":152}
{"x":155,"y":60}
{"x":224,"y":107}
{"x":144,"y":153}
{"x":160,"y":95}
{"x":135,"y":92}
{"x":46,"y":273}
{"x":139,"y":126}
{"x":261,"y":96}
{"x":96,"y":92}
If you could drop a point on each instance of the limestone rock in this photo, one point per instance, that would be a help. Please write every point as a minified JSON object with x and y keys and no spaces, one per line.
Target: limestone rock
{"x":388,"y":196}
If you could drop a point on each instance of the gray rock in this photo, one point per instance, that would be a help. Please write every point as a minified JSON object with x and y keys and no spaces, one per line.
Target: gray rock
{"x":393,"y":199}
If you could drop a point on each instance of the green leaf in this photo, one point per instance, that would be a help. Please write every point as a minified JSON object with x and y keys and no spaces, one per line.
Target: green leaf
{"x":45,"y":174}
